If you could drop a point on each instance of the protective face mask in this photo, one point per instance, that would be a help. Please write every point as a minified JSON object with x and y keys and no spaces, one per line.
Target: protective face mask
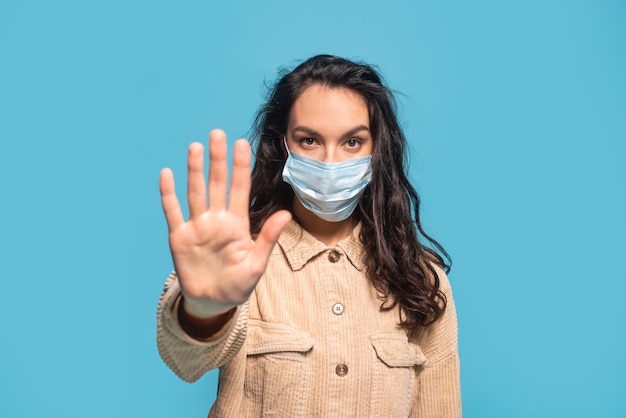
{"x":330,"y":190}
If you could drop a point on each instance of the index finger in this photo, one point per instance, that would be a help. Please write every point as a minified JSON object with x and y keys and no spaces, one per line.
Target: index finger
{"x":239,"y":202}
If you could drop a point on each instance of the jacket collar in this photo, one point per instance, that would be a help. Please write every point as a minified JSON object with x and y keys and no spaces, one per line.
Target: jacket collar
{"x":299,"y":246}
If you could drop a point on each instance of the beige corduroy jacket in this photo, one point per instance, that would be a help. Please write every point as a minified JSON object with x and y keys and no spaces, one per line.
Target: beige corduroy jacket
{"x":311,"y":341}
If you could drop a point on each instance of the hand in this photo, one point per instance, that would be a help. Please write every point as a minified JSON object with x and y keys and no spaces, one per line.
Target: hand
{"x":217,"y":262}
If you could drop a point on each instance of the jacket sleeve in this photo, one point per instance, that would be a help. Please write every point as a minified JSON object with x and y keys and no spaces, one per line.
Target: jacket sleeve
{"x":189,"y":358}
{"x":439,"y":386}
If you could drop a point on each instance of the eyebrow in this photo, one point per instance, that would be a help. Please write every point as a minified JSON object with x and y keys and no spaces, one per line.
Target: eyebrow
{"x":313,"y":132}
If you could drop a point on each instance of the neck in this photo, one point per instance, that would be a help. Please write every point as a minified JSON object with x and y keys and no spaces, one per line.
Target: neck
{"x":330,"y":233}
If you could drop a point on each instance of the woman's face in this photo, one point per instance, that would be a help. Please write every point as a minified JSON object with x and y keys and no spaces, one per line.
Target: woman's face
{"x":329,"y":124}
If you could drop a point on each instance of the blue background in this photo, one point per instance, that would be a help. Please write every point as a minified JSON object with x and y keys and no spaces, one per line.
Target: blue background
{"x":516,"y":113}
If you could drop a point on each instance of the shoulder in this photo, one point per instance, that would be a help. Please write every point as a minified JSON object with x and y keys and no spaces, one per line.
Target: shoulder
{"x":435,"y":272}
{"x":444,"y":282}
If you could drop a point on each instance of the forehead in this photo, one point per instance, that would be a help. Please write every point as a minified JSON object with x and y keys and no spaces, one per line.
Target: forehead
{"x":326,"y":106}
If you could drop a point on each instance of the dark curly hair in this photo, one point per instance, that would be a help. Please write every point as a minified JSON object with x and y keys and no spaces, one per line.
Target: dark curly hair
{"x":398,"y":263}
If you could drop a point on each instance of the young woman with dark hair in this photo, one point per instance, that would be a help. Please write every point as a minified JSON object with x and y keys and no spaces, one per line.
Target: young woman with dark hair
{"x":351,"y":313}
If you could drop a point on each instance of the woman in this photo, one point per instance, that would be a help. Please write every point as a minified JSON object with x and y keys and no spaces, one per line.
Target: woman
{"x":349,"y":314}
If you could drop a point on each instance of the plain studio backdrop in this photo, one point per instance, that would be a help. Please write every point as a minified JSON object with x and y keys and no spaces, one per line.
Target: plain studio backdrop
{"x":516,"y":116}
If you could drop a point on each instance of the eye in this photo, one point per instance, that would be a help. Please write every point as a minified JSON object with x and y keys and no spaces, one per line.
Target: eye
{"x":353,"y":144}
{"x":307,"y":142}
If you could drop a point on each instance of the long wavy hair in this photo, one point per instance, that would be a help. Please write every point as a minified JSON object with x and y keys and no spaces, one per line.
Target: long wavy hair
{"x":398,"y":263}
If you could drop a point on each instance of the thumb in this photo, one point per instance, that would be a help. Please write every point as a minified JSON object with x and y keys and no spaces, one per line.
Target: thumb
{"x":267,"y":238}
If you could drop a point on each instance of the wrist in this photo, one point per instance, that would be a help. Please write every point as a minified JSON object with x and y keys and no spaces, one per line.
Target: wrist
{"x":199,"y":327}
{"x":203,"y":310}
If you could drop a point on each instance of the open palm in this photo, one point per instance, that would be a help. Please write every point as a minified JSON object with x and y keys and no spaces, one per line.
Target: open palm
{"x":216,"y":260}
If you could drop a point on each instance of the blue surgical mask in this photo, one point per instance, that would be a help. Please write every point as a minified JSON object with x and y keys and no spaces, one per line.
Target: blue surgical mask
{"x":330,"y":190}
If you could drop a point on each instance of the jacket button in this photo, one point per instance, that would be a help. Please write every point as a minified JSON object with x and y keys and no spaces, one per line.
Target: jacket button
{"x":333,"y":256}
{"x":341,"y":370}
{"x":337,"y":308}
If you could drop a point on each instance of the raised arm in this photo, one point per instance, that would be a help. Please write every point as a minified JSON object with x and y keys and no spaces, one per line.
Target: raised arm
{"x":217,"y":263}
{"x":216,"y":260}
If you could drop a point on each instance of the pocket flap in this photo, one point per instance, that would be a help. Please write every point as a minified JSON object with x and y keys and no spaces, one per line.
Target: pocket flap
{"x":396,"y":351}
{"x":265,"y":337}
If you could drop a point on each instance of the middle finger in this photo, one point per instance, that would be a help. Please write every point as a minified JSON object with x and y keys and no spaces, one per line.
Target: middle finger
{"x":218,"y":170}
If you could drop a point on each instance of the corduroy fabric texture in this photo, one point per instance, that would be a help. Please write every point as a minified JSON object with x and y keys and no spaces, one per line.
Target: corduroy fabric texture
{"x":311,"y":341}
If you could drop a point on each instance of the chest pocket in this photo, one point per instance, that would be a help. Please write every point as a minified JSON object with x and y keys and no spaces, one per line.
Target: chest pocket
{"x":395,"y":364}
{"x":277,"y":379}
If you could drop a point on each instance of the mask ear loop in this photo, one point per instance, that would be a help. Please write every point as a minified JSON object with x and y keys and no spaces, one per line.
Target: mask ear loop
{"x":287,"y":151}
